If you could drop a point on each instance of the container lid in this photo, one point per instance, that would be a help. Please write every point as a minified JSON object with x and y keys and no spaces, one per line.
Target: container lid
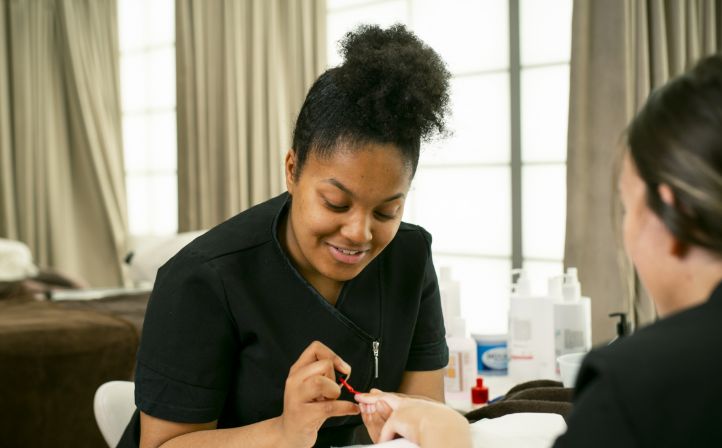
{"x":494,"y":338}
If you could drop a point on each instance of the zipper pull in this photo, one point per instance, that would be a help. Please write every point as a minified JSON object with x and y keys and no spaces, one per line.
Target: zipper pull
{"x":376,"y":358}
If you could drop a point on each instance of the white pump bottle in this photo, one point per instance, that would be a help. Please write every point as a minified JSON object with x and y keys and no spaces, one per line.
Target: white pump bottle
{"x":572,"y":314}
{"x":531,"y":333}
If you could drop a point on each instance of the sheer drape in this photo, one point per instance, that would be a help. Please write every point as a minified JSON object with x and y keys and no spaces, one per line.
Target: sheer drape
{"x":621,"y":49}
{"x":62,"y":188}
{"x":243,"y":70}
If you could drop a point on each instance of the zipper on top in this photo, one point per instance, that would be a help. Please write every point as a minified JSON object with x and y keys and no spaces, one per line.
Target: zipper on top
{"x":375,"y":348}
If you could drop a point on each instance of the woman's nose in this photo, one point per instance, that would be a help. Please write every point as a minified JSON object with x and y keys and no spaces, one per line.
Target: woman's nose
{"x":357,"y":229}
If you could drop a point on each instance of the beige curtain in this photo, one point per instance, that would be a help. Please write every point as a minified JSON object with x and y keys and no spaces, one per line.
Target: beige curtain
{"x":621,"y":49}
{"x":62,"y":188}
{"x":243,"y":67}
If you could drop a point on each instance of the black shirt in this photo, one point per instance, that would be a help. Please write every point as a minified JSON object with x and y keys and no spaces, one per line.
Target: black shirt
{"x":229,"y":315}
{"x":661,"y":387}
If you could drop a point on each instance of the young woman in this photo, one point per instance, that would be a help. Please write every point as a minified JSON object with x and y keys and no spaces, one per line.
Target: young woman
{"x":661,"y":387}
{"x":249,"y":327}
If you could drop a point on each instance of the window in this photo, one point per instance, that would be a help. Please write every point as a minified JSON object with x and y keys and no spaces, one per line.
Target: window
{"x":147,"y":76}
{"x":494,"y":193}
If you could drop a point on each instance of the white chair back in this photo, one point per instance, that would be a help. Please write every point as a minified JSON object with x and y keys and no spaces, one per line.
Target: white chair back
{"x":114,"y":405}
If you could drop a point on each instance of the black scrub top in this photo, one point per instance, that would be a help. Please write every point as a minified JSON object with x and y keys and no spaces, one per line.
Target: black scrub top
{"x":661,"y":387}
{"x":229,"y":315}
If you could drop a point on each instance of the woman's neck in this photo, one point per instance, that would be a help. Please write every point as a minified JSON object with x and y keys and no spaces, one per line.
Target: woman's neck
{"x":702,"y":273}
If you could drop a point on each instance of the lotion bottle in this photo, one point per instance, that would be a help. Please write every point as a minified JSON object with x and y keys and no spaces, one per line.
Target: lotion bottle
{"x":531,"y":333}
{"x":572,"y":315}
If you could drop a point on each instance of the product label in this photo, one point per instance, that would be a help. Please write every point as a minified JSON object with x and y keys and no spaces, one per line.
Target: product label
{"x":452,"y":377}
{"x":495,"y":358}
{"x":520,"y":330}
{"x":569,"y":341}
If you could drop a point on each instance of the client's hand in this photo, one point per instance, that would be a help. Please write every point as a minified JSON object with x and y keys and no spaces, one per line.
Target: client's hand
{"x":311,"y":395}
{"x":374,"y":415}
{"x":426,"y":423}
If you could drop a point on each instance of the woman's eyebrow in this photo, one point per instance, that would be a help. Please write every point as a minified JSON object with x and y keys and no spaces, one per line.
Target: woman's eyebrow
{"x":345,"y":189}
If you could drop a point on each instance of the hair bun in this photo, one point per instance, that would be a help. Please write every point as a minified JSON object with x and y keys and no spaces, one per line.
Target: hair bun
{"x":398,"y":84}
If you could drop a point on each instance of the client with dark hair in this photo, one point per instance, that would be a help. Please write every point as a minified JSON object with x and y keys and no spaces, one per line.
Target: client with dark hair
{"x":249,"y":325}
{"x":660,"y":387}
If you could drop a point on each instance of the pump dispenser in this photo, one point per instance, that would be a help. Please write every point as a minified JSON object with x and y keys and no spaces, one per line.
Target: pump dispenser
{"x":622,"y":326}
{"x":572,"y":314}
{"x":531,"y":332}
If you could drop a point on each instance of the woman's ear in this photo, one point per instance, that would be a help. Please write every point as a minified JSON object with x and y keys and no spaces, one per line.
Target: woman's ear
{"x":677,"y":248}
{"x":666,"y":194}
{"x":290,"y":170}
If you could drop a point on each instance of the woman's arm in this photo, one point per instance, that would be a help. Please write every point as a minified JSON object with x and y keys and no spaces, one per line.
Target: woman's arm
{"x":156,"y":432}
{"x":310,"y":397}
{"x":423,"y":384}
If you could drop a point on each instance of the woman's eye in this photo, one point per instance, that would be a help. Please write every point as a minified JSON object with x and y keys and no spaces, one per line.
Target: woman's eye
{"x":384,"y":216}
{"x":336,"y":208}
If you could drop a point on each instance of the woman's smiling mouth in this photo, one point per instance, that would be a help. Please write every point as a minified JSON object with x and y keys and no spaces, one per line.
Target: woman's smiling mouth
{"x":346,"y":256}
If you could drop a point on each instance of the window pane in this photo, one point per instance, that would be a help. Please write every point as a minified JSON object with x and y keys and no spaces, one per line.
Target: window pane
{"x":544,"y":113}
{"x":484,"y":287}
{"x":152,"y":204}
{"x":161,"y":78}
{"x":147,"y":64}
{"x":139,"y":204}
{"x":162,"y":147}
{"x":133,"y":81}
{"x":546,"y":31}
{"x":339,"y":23}
{"x":164,"y":213}
{"x":135,"y":143}
{"x":469,"y":35}
{"x":467,"y":210}
{"x":540,"y":272}
{"x":479,"y":122}
{"x":144,"y":23}
{"x":161,"y":22}
{"x":544,"y":211}
{"x":131,"y":24}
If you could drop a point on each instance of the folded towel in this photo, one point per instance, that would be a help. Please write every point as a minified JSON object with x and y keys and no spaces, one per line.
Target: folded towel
{"x":520,"y":430}
{"x":541,"y":396}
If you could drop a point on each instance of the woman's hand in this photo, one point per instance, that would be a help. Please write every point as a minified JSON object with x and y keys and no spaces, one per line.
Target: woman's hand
{"x":424,"y":422}
{"x":374,"y":415}
{"x":311,"y":396}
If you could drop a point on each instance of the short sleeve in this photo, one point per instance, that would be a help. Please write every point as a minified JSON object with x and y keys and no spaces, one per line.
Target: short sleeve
{"x":187,"y":345}
{"x":428,"y":347}
{"x":598,"y":418}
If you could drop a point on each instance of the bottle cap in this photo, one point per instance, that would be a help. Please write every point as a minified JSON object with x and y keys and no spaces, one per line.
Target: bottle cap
{"x":554,"y":287}
{"x":479,"y":393}
{"x":571,"y":289}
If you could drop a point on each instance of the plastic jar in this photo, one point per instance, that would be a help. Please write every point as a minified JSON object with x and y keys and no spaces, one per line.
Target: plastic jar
{"x":491,"y":354}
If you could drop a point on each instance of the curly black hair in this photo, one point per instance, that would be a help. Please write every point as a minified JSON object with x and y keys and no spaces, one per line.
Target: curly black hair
{"x":391,"y":88}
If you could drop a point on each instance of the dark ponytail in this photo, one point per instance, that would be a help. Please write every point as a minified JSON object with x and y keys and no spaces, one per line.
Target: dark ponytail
{"x":676,"y":139}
